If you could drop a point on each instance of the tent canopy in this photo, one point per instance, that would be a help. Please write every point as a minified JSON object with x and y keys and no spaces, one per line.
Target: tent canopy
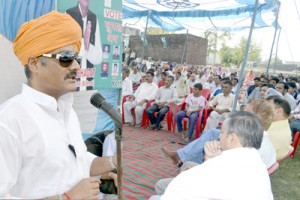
{"x":215,"y":15}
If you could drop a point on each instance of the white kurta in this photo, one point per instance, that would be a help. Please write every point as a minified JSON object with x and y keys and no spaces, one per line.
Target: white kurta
{"x":36,"y":161}
{"x":127,"y":87}
{"x":236,"y":174}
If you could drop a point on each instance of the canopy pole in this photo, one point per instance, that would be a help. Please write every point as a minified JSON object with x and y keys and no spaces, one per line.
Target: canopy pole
{"x":276,"y":27}
{"x":245,"y":57}
{"x":185,"y":44}
{"x":145,"y":35}
{"x":276,"y":51}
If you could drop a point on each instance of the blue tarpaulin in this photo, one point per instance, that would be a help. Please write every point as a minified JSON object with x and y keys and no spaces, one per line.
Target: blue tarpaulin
{"x":217,"y":15}
{"x":13,"y":13}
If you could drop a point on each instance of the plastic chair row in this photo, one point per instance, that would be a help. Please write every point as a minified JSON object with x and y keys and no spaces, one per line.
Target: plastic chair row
{"x":295,"y":143}
{"x":145,"y":119}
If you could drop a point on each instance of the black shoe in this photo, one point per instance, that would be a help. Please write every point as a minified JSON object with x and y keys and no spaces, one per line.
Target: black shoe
{"x":158,"y":128}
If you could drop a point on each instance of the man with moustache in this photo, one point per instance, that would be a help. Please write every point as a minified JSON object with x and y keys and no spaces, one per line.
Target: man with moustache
{"x":42,"y":153}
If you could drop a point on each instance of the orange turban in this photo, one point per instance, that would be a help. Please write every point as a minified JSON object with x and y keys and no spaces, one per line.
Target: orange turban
{"x":46,"y":33}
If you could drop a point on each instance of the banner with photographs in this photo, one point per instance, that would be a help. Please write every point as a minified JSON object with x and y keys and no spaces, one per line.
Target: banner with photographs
{"x":101,"y":23}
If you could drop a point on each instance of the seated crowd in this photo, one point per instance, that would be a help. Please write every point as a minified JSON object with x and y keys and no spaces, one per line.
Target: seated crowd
{"x":271,"y":113}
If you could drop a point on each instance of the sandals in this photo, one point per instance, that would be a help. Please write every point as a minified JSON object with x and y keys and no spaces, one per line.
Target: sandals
{"x":129,"y":124}
{"x":138,"y":125}
{"x":184,"y":142}
{"x":183,"y":135}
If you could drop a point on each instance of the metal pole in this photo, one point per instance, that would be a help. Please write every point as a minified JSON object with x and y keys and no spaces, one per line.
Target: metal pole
{"x":276,"y":50}
{"x":145,"y":34}
{"x":118,"y":136}
{"x":185,"y":44}
{"x":245,"y":57}
{"x":276,"y":25}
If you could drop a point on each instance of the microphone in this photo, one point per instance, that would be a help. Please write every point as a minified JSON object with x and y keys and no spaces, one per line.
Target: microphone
{"x":99,"y":102}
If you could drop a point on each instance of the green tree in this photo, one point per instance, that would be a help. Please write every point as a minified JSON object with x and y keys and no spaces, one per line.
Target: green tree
{"x":236,"y":54}
{"x":254,"y":54}
{"x":226,"y":54}
{"x":215,"y":39}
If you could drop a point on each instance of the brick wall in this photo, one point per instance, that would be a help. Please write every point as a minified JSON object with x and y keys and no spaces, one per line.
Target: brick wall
{"x":195,"y":52}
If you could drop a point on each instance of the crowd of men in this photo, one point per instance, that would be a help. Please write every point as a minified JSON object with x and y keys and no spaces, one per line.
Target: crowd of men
{"x":272,"y":100}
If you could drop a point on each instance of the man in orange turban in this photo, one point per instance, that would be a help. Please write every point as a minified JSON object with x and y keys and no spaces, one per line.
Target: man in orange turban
{"x":42,"y":152}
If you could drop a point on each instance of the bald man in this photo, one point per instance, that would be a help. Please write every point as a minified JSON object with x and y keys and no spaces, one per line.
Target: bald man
{"x":42,"y":152}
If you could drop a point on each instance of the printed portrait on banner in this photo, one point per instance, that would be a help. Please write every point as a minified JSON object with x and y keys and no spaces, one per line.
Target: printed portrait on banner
{"x":101,"y":24}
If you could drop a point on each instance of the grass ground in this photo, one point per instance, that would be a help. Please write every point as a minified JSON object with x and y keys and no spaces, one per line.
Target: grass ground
{"x":286,"y":180}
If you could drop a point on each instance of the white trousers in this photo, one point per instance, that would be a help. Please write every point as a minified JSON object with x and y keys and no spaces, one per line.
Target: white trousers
{"x":214,"y":119}
{"x":128,"y":118}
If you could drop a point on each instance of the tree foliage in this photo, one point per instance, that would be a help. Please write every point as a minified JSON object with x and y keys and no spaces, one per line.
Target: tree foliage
{"x":236,"y":54}
{"x":215,"y":39}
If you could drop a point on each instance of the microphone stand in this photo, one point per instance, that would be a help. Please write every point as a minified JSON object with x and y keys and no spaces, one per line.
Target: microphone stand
{"x":118,"y":138}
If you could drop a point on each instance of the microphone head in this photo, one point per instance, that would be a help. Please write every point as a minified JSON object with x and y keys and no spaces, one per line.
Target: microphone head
{"x":96,"y":100}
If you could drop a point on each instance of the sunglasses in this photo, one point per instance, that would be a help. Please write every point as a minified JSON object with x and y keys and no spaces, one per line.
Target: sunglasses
{"x":65,"y":58}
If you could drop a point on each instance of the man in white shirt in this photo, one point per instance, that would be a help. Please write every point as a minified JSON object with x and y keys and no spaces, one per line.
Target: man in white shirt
{"x":157,"y":75}
{"x":90,"y":51}
{"x":191,"y":81}
{"x":146,"y":92}
{"x":177,"y":78}
{"x":42,"y":152}
{"x":234,"y":169}
{"x":126,"y":83}
{"x":209,"y":84}
{"x":135,"y":76}
{"x":221,"y":105}
{"x":164,"y":97}
{"x":283,"y":89}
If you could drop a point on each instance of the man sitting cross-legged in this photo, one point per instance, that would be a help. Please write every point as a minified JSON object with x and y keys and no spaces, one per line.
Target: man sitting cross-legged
{"x":145,"y":92}
{"x":236,"y":170}
{"x":165,"y":95}
{"x":194,"y":102}
{"x":195,"y":150}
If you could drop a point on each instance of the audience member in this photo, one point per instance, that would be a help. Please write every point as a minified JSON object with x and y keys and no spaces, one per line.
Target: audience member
{"x":126,"y":83}
{"x":221,"y":105}
{"x":164,"y":97}
{"x":283,"y":89}
{"x":194,"y":102}
{"x":279,"y":131}
{"x":182,"y":89}
{"x":146,"y":91}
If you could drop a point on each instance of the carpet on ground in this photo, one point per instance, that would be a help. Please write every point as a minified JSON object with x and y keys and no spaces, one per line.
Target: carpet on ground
{"x":143,"y":161}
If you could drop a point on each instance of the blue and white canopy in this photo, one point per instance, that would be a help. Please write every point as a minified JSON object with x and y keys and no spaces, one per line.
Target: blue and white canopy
{"x":203,"y":15}
{"x":14,"y":13}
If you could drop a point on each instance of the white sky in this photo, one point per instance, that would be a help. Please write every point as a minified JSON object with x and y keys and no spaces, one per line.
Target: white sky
{"x":289,"y":42}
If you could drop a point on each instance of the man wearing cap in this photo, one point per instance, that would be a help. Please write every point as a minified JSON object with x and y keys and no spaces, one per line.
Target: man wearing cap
{"x":42,"y":152}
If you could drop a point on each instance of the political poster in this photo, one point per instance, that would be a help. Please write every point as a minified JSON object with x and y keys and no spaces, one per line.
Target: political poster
{"x":101,"y":24}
